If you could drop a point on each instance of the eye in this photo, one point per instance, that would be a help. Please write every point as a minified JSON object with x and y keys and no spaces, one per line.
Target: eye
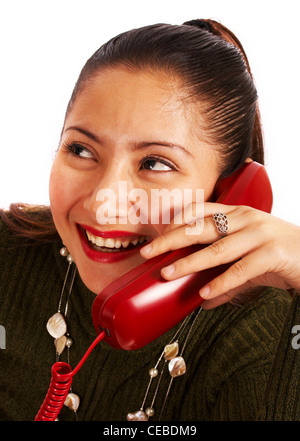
{"x":79,"y":150}
{"x":156,"y":164}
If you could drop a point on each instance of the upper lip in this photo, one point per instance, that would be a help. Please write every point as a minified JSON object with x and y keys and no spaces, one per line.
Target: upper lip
{"x":107,"y":234}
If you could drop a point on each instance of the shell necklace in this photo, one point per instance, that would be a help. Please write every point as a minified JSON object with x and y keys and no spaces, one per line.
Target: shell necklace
{"x":57,"y":328}
{"x":176,"y":367}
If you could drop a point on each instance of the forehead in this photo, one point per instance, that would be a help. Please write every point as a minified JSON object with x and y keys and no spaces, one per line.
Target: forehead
{"x":120,"y":86}
{"x":137,"y":100}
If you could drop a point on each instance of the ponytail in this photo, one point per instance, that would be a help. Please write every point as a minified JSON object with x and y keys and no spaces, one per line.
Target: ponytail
{"x":216,"y":28}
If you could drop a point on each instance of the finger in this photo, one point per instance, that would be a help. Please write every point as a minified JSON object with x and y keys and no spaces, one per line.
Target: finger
{"x":227,"y":297}
{"x":203,"y":231}
{"x":197,"y":211}
{"x":218,"y":301}
{"x":172,"y":240}
{"x":239,"y":273}
{"x":223,"y":251}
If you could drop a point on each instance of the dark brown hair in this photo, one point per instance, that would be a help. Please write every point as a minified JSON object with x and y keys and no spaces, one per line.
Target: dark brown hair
{"x":213,"y":69}
{"x":31,"y":222}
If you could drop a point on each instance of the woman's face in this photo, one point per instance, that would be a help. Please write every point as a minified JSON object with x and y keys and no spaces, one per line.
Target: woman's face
{"x":127,"y":137}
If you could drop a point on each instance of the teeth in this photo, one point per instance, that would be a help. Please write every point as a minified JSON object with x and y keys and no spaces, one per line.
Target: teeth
{"x":125,"y":243}
{"x":113,"y":243}
{"x":108,"y":243}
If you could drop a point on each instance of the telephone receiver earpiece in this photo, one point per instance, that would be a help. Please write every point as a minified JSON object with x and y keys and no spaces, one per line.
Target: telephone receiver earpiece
{"x":140,"y":306}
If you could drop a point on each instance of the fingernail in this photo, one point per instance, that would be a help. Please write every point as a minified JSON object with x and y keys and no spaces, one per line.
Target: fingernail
{"x":169,"y":270}
{"x":205,"y":292}
{"x":146,"y":249}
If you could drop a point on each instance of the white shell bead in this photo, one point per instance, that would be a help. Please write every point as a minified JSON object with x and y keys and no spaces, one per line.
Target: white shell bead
{"x":177,"y":367}
{"x":60,"y":344}
{"x":72,"y":401}
{"x":139,"y":415}
{"x":171,"y":351}
{"x":56,"y":325}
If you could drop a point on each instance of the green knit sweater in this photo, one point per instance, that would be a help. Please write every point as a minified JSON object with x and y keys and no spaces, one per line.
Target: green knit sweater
{"x":240,"y":362}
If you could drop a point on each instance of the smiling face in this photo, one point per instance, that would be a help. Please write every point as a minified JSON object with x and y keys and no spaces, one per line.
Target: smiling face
{"x":124,"y":127}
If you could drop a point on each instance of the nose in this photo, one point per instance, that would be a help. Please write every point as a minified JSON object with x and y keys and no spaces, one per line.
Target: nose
{"x":112,"y":198}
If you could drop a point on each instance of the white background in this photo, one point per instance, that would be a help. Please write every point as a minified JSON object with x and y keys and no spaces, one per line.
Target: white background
{"x":44,"y":44}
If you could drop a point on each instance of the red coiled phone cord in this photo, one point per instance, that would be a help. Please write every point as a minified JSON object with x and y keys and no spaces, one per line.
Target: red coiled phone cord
{"x":61,"y":380}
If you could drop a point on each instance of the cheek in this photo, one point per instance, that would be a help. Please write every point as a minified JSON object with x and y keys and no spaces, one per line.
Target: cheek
{"x":57,"y":193}
{"x":64,"y":192}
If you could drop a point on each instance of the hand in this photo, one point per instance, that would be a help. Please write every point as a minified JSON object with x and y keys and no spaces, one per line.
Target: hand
{"x":264,"y":251}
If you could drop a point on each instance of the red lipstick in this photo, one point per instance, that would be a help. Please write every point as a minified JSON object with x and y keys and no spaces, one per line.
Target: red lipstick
{"x":106,"y":234}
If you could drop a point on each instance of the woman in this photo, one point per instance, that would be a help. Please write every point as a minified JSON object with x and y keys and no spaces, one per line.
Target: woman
{"x":160,"y":107}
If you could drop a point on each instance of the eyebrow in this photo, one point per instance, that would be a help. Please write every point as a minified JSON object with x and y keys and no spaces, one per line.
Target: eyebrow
{"x":84,"y":132}
{"x":136,"y":145}
{"x":143,"y":145}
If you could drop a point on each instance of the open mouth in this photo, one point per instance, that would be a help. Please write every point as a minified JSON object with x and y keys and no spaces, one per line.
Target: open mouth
{"x":115,"y":245}
{"x":109,"y":246}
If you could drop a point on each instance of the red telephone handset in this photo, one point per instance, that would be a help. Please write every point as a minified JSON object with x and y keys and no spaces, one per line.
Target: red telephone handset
{"x":140,"y":306}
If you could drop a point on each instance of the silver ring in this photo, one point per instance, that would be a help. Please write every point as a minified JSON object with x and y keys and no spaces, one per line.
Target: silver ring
{"x":221,"y":223}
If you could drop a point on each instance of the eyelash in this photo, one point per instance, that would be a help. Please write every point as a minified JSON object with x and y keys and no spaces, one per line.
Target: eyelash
{"x":71,"y":148}
{"x":158,"y":159}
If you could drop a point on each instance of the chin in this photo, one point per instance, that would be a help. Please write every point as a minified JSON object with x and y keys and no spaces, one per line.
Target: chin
{"x":96,"y":276}
{"x":96,"y":266}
